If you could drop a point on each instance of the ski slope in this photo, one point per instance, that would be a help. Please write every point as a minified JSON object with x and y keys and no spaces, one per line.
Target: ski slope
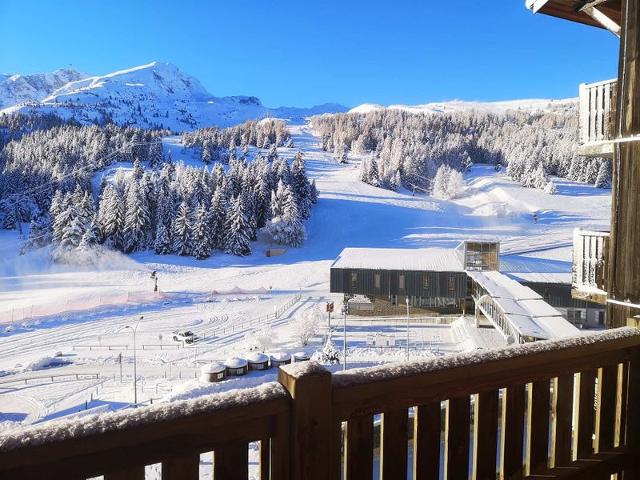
{"x":82,"y":313}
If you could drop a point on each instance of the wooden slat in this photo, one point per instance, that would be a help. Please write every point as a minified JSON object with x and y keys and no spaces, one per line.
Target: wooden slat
{"x":336,"y":460}
{"x":621,"y":400}
{"x":280,"y":448}
{"x":394,"y":444}
{"x":606,"y":412}
{"x":562,"y":421}
{"x":586,"y":414}
{"x":426,"y":441}
{"x":182,"y":468}
{"x":512,"y":432}
{"x":632,"y":430}
{"x":537,"y":458}
{"x":231,"y":462}
{"x":265,"y":458}
{"x":599,"y":467}
{"x":133,"y":473}
{"x":457,"y":439}
{"x":358,"y":456}
{"x":485,"y":435}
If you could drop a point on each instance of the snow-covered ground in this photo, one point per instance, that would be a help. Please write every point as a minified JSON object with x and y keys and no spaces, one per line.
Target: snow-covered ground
{"x":77,"y":317}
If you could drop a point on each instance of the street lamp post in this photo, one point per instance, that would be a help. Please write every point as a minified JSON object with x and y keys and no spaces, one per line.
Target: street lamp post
{"x":135,"y":361}
{"x":345,"y":309}
{"x":407,"y":328}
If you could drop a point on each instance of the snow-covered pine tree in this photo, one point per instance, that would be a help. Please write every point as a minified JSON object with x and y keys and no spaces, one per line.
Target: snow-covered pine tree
{"x":136,"y":220}
{"x":237,"y":230}
{"x":111,"y":217}
{"x":603,"y":179}
{"x":217,"y":219}
{"x":200,"y":234}
{"x":182,"y":244}
{"x":313,"y":192}
{"x":162,"y":243}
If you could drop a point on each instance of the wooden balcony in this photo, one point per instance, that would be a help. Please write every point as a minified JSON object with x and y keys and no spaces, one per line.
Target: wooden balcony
{"x":597,"y":105}
{"x":552,"y":410}
{"x":590,"y":251}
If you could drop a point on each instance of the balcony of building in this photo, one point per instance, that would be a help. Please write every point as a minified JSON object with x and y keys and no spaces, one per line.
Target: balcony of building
{"x":597,"y":107}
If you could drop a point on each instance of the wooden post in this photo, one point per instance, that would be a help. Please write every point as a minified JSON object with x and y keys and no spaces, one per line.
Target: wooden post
{"x":311,"y":419}
{"x":624,"y":247}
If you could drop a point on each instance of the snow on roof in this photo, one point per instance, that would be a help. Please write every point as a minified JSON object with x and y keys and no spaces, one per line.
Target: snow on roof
{"x":235,"y":362}
{"x":257,"y":357}
{"x":416,"y":259}
{"x":525,"y":309}
{"x":214,"y":367}
{"x":280,"y":356}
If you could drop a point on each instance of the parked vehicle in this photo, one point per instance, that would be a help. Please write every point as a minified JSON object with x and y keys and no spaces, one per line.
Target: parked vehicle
{"x":186,"y":336}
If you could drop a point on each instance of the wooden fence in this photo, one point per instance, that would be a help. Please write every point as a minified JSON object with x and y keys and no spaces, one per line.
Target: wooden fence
{"x":552,"y":410}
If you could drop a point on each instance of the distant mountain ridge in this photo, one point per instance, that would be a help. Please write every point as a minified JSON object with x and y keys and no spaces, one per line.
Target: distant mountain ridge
{"x":16,"y":88}
{"x":155,"y":95}
{"x":525,"y":105}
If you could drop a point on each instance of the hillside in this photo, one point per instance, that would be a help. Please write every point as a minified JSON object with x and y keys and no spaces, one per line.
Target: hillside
{"x":156,"y":95}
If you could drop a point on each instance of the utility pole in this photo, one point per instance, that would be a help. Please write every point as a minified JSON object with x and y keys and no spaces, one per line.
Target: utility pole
{"x":135,"y":362}
{"x":407,"y":328}
{"x":120,"y":362}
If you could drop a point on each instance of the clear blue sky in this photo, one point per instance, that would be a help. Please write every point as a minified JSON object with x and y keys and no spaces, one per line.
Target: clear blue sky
{"x":307,"y":52}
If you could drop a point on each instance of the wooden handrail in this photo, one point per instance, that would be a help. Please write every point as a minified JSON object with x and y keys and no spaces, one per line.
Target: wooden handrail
{"x":575,"y":396}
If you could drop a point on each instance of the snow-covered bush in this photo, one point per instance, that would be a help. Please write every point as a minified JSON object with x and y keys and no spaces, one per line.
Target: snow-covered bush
{"x":305,"y":327}
{"x":328,"y":355}
{"x":550,"y":188}
{"x":262,"y":340}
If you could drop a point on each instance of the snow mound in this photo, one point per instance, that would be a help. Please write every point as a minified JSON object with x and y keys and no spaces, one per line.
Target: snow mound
{"x":43,"y":363}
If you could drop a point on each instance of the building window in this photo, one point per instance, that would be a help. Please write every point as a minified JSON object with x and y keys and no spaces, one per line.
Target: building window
{"x":376,"y":281}
{"x":354,"y":281}
{"x":452,"y":285}
{"x":401,"y":282}
{"x":394,"y":299}
{"x":600,"y":318}
{"x":426,"y":283}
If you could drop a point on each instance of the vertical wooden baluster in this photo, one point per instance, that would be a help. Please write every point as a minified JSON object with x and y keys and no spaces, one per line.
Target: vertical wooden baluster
{"x":605,"y":418}
{"x":183,"y":468}
{"x":265,"y":458}
{"x":231,"y":462}
{"x":133,"y":473}
{"x":337,"y":439}
{"x":426,"y":441}
{"x":537,"y":456}
{"x":512,"y":432}
{"x":562,"y":420}
{"x":280,"y":448}
{"x":394,"y":444}
{"x":457,"y":439}
{"x":621,"y":399}
{"x":586,"y":418}
{"x":485,"y":435}
{"x":358,"y":458}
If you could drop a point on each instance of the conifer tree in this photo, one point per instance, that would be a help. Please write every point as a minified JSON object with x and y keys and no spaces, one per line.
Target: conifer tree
{"x":200,"y":234}
{"x":182,"y":244}
{"x":237,"y":230}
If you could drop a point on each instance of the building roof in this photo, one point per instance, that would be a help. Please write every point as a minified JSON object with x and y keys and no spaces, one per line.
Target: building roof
{"x":573,"y":10}
{"x":563,"y":278}
{"x":417,"y":259}
{"x":525,"y":310}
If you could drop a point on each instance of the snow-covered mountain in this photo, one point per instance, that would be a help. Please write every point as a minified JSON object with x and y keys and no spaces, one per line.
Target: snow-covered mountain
{"x":17,"y":88}
{"x":156,"y":95}
{"x":526,"y":105}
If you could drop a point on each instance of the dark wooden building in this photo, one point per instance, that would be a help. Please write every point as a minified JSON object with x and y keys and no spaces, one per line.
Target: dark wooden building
{"x":431,"y":278}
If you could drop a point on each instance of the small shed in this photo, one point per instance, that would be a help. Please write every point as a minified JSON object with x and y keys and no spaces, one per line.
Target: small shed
{"x":235,"y":366}
{"x":300,"y":357}
{"x":258,"y":361}
{"x":280,"y":358}
{"x":212,"y":372}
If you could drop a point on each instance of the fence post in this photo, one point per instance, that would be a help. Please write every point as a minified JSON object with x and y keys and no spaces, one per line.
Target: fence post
{"x":309,"y":385}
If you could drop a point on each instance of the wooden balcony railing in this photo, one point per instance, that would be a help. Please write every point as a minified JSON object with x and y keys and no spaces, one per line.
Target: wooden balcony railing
{"x":552,"y":410}
{"x":589,"y":279}
{"x":597,"y":104}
